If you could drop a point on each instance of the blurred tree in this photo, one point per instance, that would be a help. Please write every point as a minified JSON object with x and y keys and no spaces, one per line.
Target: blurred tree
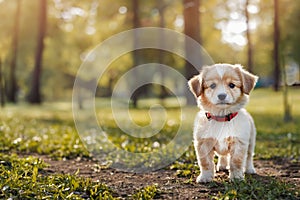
{"x":262,"y":42}
{"x":75,"y":27}
{"x":215,"y":17}
{"x":12,"y":85}
{"x":290,"y":29}
{"x":192,"y":29}
{"x":34,"y":95}
{"x":2,"y":97}
{"x":249,"y":41}
{"x":289,"y":34}
{"x":276,"y":47}
{"x":67,"y":42}
{"x":136,"y":53}
{"x":161,"y":5}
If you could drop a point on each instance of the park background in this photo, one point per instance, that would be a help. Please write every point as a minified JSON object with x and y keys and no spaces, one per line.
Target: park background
{"x":44,"y":42}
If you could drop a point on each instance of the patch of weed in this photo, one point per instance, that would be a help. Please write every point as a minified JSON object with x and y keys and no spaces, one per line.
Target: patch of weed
{"x":149,"y":192}
{"x":185,"y":169}
{"x":23,"y":178}
{"x":257,"y":188}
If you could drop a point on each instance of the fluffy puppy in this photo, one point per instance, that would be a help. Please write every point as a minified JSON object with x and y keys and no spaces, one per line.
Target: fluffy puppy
{"x":222,"y":125}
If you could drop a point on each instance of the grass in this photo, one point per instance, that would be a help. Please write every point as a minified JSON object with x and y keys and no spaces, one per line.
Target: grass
{"x":256,"y":188}
{"x":44,"y":135}
{"x":148,"y":192}
{"x":282,"y":139}
{"x":50,"y":130}
{"x":24,"y":178}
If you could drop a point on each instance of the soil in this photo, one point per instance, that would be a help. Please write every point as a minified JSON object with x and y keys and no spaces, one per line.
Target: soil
{"x":124,"y":184}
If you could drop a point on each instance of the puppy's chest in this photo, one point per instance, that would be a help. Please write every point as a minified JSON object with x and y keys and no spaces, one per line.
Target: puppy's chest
{"x":224,"y":135}
{"x":219,"y":130}
{"x":238,"y":128}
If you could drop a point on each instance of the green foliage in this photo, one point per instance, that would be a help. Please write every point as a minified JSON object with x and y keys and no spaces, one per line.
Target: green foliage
{"x":149,"y":192}
{"x":185,"y":169}
{"x":290,"y":32}
{"x":76,"y":27}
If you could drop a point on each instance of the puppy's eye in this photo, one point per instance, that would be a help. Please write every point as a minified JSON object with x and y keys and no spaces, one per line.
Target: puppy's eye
{"x":231,"y":85}
{"x":213,"y":86}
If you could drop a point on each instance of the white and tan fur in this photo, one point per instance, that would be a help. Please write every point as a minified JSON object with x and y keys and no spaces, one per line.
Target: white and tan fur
{"x":222,"y":89}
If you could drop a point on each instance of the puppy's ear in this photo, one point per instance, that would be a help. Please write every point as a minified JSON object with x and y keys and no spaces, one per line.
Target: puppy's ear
{"x":249,"y":80}
{"x":195,"y":85}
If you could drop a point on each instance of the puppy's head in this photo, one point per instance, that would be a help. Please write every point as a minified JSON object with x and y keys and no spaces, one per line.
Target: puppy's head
{"x":222,"y":87}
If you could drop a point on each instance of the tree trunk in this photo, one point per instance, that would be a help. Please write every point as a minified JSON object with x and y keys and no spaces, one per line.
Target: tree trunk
{"x":286,"y":105}
{"x":250,"y":50}
{"x":276,"y":47}
{"x":192,"y":29}
{"x":12,"y":85}
{"x":2,"y":98}
{"x":161,"y":54}
{"x":34,"y":95}
{"x":136,"y":58}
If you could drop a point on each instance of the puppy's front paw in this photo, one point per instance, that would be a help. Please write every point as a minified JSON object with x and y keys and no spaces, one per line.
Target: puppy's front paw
{"x":236,"y":175}
{"x":250,"y":171}
{"x":205,"y":177}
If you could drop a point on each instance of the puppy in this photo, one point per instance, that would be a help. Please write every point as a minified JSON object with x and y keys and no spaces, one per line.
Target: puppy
{"x":222,"y":125}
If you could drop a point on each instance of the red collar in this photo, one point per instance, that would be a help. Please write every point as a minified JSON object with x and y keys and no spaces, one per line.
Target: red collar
{"x":225,"y":118}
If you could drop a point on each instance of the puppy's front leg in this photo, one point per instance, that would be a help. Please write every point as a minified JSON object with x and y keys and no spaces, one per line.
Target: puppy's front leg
{"x":238,"y":155}
{"x":205,"y":155}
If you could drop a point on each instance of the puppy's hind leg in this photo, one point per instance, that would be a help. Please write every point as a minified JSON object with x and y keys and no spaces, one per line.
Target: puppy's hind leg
{"x":249,"y":163}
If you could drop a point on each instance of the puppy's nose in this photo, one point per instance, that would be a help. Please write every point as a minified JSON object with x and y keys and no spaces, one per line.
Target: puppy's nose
{"x":222,"y":96}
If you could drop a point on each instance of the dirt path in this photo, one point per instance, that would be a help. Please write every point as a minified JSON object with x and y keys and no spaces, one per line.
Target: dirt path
{"x":170,"y":186}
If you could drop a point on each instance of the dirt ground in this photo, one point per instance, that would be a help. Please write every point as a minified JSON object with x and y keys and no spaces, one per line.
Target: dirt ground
{"x":170,"y":186}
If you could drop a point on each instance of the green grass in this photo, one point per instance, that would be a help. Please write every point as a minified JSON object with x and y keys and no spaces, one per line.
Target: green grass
{"x":256,"y":188}
{"x":275,"y":138}
{"x":50,"y":130}
{"x":22,"y":132}
{"x":24,"y":178}
{"x":148,"y":192}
